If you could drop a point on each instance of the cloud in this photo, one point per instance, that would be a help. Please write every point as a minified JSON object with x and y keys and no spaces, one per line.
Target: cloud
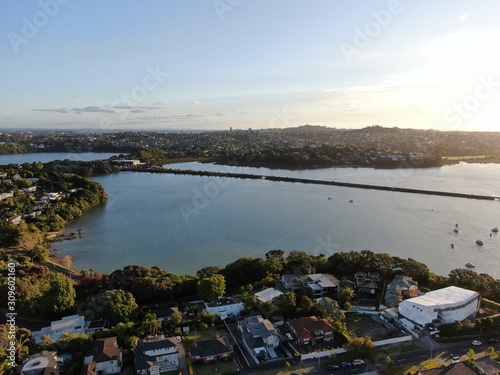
{"x":218,"y":114}
{"x":463,"y":17}
{"x":58,"y":110}
{"x":93,"y":109}
{"x":195,"y":102}
{"x":163,"y":103}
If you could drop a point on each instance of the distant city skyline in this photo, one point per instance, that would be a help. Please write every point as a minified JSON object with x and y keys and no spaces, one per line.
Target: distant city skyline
{"x":249,"y":64}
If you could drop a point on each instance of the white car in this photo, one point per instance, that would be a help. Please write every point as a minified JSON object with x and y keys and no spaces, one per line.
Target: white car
{"x":178,"y":338}
{"x":358,"y":362}
{"x":476,"y":342}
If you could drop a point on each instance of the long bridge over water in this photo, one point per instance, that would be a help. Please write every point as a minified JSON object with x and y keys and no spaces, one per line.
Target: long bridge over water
{"x":316,"y":182}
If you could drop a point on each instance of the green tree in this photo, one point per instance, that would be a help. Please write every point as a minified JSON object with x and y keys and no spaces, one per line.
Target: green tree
{"x":116,"y":306}
{"x":150,"y":325}
{"x":330,"y":309}
{"x":210,"y":288}
{"x":360,"y":347}
{"x":59,"y":297}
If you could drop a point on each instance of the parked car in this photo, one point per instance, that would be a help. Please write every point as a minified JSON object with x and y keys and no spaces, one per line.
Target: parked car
{"x":332,"y":367}
{"x":476,"y":342}
{"x":345,"y":364}
{"x":358,"y":362}
{"x":492,"y":341}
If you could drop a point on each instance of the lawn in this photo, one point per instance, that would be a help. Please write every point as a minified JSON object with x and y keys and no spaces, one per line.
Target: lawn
{"x":215,"y":368}
{"x":363,"y":325}
{"x":207,"y":334}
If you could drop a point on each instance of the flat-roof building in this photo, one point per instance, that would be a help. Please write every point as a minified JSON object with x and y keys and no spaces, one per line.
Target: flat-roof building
{"x":441,"y":306}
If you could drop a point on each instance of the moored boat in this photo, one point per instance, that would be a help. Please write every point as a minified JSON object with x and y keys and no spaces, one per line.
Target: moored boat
{"x":479,"y":242}
{"x":470,"y":265}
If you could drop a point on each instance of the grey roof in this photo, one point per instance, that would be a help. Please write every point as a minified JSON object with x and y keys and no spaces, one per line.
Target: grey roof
{"x":210,"y":348}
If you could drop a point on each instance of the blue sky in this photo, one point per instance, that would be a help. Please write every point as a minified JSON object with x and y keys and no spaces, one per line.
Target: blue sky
{"x":244,"y":64}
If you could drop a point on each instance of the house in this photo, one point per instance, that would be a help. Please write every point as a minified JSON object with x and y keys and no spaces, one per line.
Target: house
{"x":444,"y":305}
{"x":194,"y":307}
{"x":211,"y":350}
{"x":267,"y":295}
{"x":155,"y":355}
{"x":164,"y":313}
{"x":321,"y":284}
{"x":104,"y":358}
{"x":14,"y":219}
{"x":41,"y":364}
{"x":400,"y":288}
{"x":96,"y":325}
{"x":292,"y":282}
{"x":366,"y":284}
{"x":311,"y":330}
{"x":259,"y":337}
{"x":226,"y":307}
{"x":6,"y":195}
{"x":68,"y":324}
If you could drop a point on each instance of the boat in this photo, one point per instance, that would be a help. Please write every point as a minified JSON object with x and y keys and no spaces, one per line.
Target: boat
{"x":455,"y":230}
{"x":350,"y":201}
{"x":329,"y":198}
{"x":479,"y":242}
{"x":456,"y":225}
{"x":495,"y":229}
{"x":470,"y":265}
{"x":452,"y":245}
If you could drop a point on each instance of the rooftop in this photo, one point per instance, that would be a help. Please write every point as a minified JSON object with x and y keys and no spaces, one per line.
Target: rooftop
{"x":445,"y":296}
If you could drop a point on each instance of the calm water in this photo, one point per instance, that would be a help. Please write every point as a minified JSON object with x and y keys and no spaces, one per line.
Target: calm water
{"x":184,"y":223}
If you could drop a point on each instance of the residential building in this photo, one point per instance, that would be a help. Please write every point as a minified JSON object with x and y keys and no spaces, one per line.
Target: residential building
{"x":41,"y":364}
{"x":311,"y":330}
{"x":164,"y":313}
{"x":441,"y":306}
{"x":320,"y":284}
{"x":366,"y":284}
{"x":226,"y":307}
{"x":155,"y":355}
{"x":292,"y":282}
{"x":260,"y":337}
{"x":68,"y":324}
{"x":267,"y":295}
{"x":104,"y":358}
{"x":211,"y":350}
{"x":460,"y":368}
{"x":400,"y":288}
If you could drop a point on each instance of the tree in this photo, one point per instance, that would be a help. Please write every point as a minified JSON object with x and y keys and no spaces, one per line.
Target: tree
{"x":330,"y":309}
{"x":150,"y":325}
{"x":360,"y":347}
{"x":210,"y":288}
{"x":208,"y":271}
{"x":59,"y":297}
{"x":286,"y":303}
{"x":113,"y":305}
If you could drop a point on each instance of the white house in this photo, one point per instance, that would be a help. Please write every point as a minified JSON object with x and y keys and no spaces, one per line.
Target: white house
{"x":104,"y":358}
{"x":155,"y":355}
{"x":225,"y":307}
{"x":41,"y":363}
{"x":267,"y":295}
{"x":443,"y":306}
{"x":70,"y":324}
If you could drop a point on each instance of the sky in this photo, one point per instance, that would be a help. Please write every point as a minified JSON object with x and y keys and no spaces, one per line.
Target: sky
{"x":215,"y":64}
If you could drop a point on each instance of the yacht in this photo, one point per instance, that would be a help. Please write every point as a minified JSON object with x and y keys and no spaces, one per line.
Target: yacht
{"x":452,"y":245}
{"x":479,"y":242}
{"x":455,"y":230}
{"x":470,"y":265}
{"x":495,"y":229}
